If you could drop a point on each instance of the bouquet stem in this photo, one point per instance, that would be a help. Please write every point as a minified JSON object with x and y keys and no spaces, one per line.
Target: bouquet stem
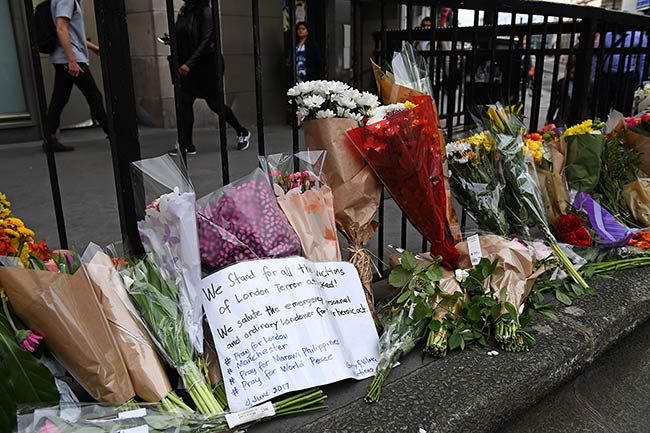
{"x":437,"y":342}
{"x":373,"y":394}
{"x":568,"y":266}
{"x":173,"y":403}
{"x":511,"y":337}
{"x":198,"y":389}
{"x":613,"y":266}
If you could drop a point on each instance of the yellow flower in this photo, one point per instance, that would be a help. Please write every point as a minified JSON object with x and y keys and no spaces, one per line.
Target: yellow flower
{"x":4,"y":203}
{"x":481,"y":140}
{"x":409,"y":105}
{"x":4,"y":213}
{"x":11,"y":233}
{"x":586,"y":127}
{"x":26,"y":232}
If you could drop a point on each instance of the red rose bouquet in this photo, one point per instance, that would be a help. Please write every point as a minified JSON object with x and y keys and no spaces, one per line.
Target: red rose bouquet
{"x":571,"y":229}
{"x":404,"y":150}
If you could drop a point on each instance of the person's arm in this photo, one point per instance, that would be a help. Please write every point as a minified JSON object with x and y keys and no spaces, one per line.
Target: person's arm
{"x":554,"y":104}
{"x":206,"y":38}
{"x":62,"y":32}
{"x":93,"y":47}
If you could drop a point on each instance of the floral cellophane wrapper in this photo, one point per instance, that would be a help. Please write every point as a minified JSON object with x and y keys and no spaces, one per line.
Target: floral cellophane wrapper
{"x":66,"y":311}
{"x":169,"y":232}
{"x":515,"y":272}
{"x":311,"y":214}
{"x":138,"y":351}
{"x":637,"y":196}
{"x":391,"y":93}
{"x":242,"y":221}
{"x":404,"y":151}
{"x":355,"y":188}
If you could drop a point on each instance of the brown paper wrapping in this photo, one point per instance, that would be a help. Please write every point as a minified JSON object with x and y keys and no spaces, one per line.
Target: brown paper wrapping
{"x":637,"y":197}
{"x":65,"y":310}
{"x":389,"y":92}
{"x":515,"y":272}
{"x":641,"y":143}
{"x":140,"y":357}
{"x":311,"y":214}
{"x":210,"y":355}
{"x":355,"y":188}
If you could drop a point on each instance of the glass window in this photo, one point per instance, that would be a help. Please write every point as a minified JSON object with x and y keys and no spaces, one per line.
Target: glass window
{"x":11,"y":84}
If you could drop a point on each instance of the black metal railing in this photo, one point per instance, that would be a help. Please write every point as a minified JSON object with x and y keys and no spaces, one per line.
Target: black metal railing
{"x":501,"y":52}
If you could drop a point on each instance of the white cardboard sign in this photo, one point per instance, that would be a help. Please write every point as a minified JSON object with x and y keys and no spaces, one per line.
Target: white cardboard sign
{"x":283,"y":325}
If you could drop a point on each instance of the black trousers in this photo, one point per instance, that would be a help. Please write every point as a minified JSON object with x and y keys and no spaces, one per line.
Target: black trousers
{"x":63,"y":83}
{"x":616,"y":92}
{"x":186,"y":117}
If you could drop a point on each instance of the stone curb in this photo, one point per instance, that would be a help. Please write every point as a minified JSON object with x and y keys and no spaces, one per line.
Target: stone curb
{"x":473,"y":392}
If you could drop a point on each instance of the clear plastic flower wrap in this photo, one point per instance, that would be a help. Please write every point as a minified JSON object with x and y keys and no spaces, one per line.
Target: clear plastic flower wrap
{"x":306,"y":200}
{"x":169,"y":233}
{"x":475,"y":183}
{"x":243,"y":221}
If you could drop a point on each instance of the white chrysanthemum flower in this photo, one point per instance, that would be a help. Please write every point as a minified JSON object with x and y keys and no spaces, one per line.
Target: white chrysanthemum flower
{"x":383,"y":111}
{"x":325,"y":114}
{"x":461,"y":275}
{"x":355,"y":116}
{"x":367,"y":99}
{"x":302,"y":113}
{"x":313,"y":101}
{"x":334,"y":87}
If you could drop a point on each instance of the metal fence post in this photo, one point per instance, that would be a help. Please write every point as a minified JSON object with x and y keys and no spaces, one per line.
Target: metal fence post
{"x":583,"y":68}
{"x":257,"y":53}
{"x":42,"y":114}
{"x":120,"y":100}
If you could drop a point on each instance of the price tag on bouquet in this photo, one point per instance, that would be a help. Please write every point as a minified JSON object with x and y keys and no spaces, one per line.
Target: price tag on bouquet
{"x":282,"y":325}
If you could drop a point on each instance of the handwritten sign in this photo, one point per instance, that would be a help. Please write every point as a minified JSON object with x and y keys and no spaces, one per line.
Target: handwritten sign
{"x":283,"y":325}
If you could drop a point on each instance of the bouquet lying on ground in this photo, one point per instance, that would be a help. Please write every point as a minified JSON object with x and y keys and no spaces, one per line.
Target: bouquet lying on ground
{"x":355,"y":187}
{"x":96,"y":418}
{"x":243,"y":221}
{"x":169,"y":233}
{"x":405,"y":151}
{"x":636,"y":132}
{"x":156,"y":297}
{"x":145,"y":369}
{"x":306,"y":201}
{"x":475,"y":183}
{"x":507,"y":130}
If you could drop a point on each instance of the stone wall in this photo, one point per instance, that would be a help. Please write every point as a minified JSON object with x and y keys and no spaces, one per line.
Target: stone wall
{"x":153,"y":88}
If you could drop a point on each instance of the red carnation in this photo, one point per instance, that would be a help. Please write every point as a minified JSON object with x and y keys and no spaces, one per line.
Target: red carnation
{"x":571,"y":230}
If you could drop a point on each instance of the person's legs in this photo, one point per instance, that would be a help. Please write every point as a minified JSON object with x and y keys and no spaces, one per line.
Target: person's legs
{"x":186,"y":121}
{"x":243,"y":135}
{"x":60,"y":97}
{"x":86,"y":84}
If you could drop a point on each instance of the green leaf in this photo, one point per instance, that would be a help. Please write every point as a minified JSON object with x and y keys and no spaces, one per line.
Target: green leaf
{"x":408,"y":261}
{"x":511,"y":310}
{"x":561,"y":296}
{"x":403,"y":297}
{"x":435,"y":325}
{"x":430,"y":288}
{"x":577,"y":290}
{"x":421,"y":311}
{"x":399,"y":277}
{"x":455,"y":341}
{"x":548,"y":313}
{"x":23,"y":379}
{"x":434,"y":273}
{"x":474,"y":313}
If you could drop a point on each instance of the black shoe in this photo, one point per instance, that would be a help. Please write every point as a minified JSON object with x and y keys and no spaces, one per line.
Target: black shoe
{"x":191,"y":150}
{"x":173,"y":152}
{"x":57,"y":146}
{"x":243,"y":140}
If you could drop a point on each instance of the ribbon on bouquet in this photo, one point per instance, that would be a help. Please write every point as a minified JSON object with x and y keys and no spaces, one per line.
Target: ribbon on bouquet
{"x":608,"y":228}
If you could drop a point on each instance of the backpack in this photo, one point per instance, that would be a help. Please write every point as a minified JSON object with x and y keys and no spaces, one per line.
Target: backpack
{"x":44,"y":28}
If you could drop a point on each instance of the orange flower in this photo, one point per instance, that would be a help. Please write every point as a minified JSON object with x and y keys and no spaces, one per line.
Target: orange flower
{"x":640,"y":240}
{"x":534,"y":136}
{"x":6,"y":248}
{"x":40,"y":250}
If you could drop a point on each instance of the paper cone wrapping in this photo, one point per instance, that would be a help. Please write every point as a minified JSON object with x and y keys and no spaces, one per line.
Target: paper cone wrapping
{"x":637,"y":196}
{"x":641,"y":143}
{"x":311,"y":214}
{"x":515,"y":272}
{"x":65,"y":310}
{"x":140,"y":357}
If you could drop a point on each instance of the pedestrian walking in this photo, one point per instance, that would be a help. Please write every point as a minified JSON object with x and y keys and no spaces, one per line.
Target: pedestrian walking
{"x":70,"y":59}
{"x":197,"y":57}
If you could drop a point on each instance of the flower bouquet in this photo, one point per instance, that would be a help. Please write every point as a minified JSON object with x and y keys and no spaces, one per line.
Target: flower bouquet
{"x":642,"y":98}
{"x":571,"y":229}
{"x":404,"y":150}
{"x":243,"y":221}
{"x":609,"y":230}
{"x":58,"y":301}
{"x":637,"y":197}
{"x":306,"y":201}
{"x":475,"y":183}
{"x":145,"y":369}
{"x":355,"y":187}
{"x":156,"y":296}
{"x":522,"y":186}
{"x":585,"y":145}
{"x":637,"y":136}
{"x":169,"y":232}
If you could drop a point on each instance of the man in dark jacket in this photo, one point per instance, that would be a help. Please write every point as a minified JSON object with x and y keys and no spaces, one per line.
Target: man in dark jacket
{"x":197,"y":57}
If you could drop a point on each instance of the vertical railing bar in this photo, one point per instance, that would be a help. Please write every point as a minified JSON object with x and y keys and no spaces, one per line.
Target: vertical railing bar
{"x":620,"y":65}
{"x":223,"y":139}
{"x":473,"y":64}
{"x":409,"y":22}
{"x":432,"y":51}
{"x":42,"y":116}
{"x":451,"y":81}
{"x":609,"y":70}
{"x":257,"y":53}
{"x":556,"y":59}
{"x":176,"y":84}
{"x":384,"y":40}
{"x":357,"y":60}
{"x":646,"y":63}
{"x":380,"y":235}
{"x":511,"y":47}
{"x":493,"y":51}
{"x":598,"y":73}
{"x":524,"y":87}
{"x":539,"y":76}
{"x":295,"y":139}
